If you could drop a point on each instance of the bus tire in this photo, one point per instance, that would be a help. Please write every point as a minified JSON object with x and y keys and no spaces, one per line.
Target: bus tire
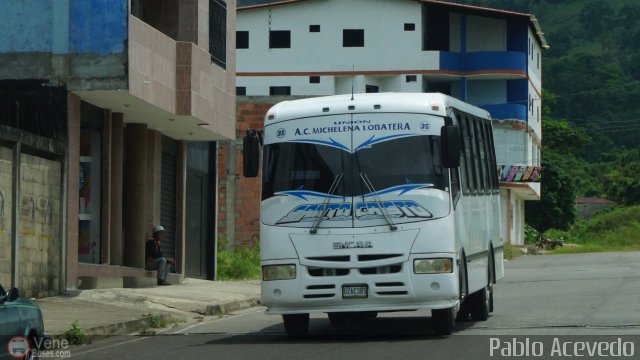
{"x":463,"y":284}
{"x":444,"y":321}
{"x":492,"y":277}
{"x":296,"y":325}
{"x":479,"y":304}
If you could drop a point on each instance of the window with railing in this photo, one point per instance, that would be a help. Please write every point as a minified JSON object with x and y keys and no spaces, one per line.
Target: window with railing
{"x":218,"y":32}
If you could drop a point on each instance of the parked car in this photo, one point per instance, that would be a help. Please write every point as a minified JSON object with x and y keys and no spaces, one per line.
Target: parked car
{"x":21,"y":325}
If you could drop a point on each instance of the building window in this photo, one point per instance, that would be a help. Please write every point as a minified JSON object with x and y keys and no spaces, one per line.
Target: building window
{"x":242,"y":39}
{"x":538,"y":63}
{"x":279,"y":39}
{"x":89,"y":184}
{"x":241,"y":90}
{"x":314,"y":79}
{"x":409,"y":27}
{"x":279,"y":90}
{"x":411,"y":78}
{"x":314,"y":28}
{"x":218,"y":32}
{"x":372,"y":89}
{"x":352,"y":38}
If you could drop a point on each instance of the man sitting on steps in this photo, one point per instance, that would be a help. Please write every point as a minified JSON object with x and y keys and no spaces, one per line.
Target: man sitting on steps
{"x":155,"y":258}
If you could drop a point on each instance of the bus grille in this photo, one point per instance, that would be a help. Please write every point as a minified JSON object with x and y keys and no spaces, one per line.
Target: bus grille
{"x":327,"y":272}
{"x":389,"y":269}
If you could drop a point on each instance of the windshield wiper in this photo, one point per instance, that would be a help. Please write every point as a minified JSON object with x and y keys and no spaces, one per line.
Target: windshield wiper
{"x":372,"y":190}
{"x":320,"y":214}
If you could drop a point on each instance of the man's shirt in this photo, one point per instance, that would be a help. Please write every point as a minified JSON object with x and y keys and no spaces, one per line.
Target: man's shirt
{"x":153,"y":249}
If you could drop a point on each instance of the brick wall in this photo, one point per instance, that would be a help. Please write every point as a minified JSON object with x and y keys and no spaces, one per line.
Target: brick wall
{"x":40,"y":219}
{"x":6,"y":209}
{"x":245,"y":205}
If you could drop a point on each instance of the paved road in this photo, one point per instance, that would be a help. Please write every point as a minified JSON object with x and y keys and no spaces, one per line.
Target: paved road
{"x":561,"y":295}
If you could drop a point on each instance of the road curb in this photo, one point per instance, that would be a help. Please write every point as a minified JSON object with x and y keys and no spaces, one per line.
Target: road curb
{"x":119,"y":328}
{"x":230,"y":306}
{"x":132,"y":326}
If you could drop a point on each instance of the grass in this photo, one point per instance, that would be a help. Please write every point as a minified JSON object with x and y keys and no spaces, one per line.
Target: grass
{"x":158,"y":322}
{"x":75,"y":334}
{"x":510,"y":252}
{"x":239,"y":264}
{"x":617,"y":229}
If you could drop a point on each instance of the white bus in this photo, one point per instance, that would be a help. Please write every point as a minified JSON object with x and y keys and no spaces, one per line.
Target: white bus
{"x":376,"y":203}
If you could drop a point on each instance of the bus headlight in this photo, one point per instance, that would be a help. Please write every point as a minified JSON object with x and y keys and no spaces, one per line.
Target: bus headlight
{"x":432,"y":266}
{"x":278,"y":272}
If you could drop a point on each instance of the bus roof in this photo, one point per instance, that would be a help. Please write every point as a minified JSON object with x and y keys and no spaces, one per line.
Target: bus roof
{"x":421,"y":103}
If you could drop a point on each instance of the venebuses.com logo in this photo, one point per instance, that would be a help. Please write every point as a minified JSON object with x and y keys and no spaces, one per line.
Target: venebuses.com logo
{"x":18,"y":347}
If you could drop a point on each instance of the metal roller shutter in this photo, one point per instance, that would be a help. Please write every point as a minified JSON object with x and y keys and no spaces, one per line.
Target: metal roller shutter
{"x":168,"y":196}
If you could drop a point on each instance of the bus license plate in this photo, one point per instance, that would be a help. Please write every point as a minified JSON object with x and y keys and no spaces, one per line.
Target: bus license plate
{"x":355,"y":291}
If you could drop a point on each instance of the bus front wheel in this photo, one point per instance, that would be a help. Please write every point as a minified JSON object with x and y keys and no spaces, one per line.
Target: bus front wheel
{"x":444,"y":320}
{"x":296,"y":325}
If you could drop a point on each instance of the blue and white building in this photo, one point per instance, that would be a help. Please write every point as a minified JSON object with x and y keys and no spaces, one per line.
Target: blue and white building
{"x":487,"y":57}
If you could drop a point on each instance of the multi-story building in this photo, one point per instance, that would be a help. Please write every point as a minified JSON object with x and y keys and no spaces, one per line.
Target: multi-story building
{"x":487,"y":57}
{"x":109,"y":115}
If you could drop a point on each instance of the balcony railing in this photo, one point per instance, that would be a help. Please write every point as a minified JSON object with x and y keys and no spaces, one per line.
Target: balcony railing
{"x":484,"y":62}
{"x":507,"y":111}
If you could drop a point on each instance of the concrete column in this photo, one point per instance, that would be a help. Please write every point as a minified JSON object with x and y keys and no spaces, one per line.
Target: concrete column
{"x":509,"y":217}
{"x":15,"y":224}
{"x":105,"y":184}
{"x":154,"y":177}
{"x":73,"y":174}
{"x":230,"y":196}
{"x":117,"y":153}
{"x":181,"y":205}
{"x":135,"y":175}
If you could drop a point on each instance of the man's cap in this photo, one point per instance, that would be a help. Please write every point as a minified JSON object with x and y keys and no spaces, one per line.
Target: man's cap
{"x":158,"y":228}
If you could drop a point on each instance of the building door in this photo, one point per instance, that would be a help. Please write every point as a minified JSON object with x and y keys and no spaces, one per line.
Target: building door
{"x":196,"y":265}
{"x":200,"y":210}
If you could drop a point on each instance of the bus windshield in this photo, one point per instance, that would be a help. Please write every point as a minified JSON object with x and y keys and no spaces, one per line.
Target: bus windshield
{"x":311,"y":167}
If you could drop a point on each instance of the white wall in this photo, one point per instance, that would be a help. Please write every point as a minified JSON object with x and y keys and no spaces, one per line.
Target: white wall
{"x":534,"y":59}
{"x":259,"y":85}
{"x":387,"y":46}
{"x":517,"y":229}
{"x":511,"y":146}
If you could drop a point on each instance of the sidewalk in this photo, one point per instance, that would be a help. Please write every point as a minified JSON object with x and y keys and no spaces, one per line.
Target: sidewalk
{"x":121,"y":311}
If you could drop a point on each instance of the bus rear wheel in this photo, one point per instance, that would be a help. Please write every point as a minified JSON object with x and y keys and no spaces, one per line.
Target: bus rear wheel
{"x":444,"y":320}
{"x":296,"y":325}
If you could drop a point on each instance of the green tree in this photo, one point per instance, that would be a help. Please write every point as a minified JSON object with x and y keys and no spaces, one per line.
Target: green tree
{"x":622,"y":183}
{"x":556,"y":208}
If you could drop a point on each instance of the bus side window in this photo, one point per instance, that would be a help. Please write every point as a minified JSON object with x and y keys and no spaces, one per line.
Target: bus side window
{"x":480,"y":137}
{"x":468,"y":154}
{"x":491,"y":169}
{"x":465,"y":175}
{"x":493,"y":162}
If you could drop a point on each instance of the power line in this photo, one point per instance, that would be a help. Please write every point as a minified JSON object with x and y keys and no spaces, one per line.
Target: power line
{"x":585,"y":92}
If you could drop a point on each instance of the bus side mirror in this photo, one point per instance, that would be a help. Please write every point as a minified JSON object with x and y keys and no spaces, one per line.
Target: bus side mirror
{"x":251,"y":154}
{"x":450,"y":146}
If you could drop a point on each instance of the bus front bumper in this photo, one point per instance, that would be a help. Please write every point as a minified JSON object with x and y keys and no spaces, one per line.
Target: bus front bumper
{"x":397,"y":291}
